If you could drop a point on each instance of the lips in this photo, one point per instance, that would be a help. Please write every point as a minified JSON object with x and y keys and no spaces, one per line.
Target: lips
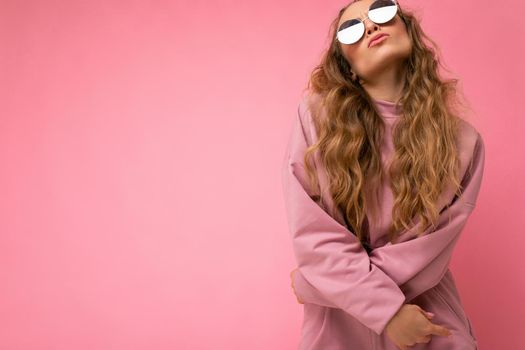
{"x":375,"y":38}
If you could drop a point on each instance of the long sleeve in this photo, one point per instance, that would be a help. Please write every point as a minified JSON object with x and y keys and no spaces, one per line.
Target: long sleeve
{"x":328,"y":255}
{"x":307,"y":293}
{"x":418,"y":264}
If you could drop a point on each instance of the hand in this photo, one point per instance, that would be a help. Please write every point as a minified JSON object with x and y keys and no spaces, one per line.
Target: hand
{"x":411,"y":325}
{"x":293,"y":288}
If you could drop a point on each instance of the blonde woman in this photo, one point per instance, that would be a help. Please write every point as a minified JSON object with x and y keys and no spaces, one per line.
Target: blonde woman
{"x":380,"y":176}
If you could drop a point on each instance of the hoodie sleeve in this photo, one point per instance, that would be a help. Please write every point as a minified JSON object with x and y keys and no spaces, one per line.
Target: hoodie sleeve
{"x":419,"y":264}
{"x":307,"y":293}
{"x":330,"y":257}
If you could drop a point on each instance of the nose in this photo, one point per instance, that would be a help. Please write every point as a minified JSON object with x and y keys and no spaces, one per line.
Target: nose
{"x":369,"y":25}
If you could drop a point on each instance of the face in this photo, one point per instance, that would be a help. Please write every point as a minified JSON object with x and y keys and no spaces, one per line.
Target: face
{"x":369,"y":63}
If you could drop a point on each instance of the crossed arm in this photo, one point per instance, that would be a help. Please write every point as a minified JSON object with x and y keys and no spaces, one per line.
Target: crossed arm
{"x":334,"y":270}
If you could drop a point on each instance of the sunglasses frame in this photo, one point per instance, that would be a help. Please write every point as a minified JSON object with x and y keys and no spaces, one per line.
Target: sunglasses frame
{"x":364,"y":19}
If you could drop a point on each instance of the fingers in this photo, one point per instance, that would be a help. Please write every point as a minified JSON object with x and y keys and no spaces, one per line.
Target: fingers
{"x":440,"y":330}
{"x":422,"y":311}
{"x":436,"y":329}
{"x":293,"y":287}
{"x":426,"y":339}
{"x":427,"y":314}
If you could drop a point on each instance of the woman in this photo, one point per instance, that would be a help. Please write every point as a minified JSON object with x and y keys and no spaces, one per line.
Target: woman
{"x":380,"y":176}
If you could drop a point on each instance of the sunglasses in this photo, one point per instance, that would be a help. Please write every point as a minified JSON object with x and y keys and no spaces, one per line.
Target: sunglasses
{"x":381,"y":11}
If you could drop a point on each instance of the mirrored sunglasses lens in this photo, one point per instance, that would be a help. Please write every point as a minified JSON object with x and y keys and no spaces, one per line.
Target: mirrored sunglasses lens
{"x":382,"y":11}
{"x":350,"y":31}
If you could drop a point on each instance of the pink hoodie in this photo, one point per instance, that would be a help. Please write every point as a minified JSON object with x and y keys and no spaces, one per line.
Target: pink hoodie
{"x":351,"y":295}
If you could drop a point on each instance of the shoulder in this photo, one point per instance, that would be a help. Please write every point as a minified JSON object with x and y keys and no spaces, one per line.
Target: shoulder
{"x":308,"y":104}
{"x":308,"y":107}
{"x":469,"y":138}
{"x":302,"y":134}
{"x":471,"y":147}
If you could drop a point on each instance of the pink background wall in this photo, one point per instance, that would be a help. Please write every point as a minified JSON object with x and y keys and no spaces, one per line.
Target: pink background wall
{"x":140,"y":148}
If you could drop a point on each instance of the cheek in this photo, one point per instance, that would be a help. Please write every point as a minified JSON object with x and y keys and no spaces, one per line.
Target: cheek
{"x":349,"y":51}
{"x":355,"y":52}
{"x":399,"y":31}
{"x":404,"y":40}
{"x":400,"y":38}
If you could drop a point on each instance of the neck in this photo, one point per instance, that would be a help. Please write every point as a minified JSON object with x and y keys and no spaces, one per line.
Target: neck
{"x":386,"y":85}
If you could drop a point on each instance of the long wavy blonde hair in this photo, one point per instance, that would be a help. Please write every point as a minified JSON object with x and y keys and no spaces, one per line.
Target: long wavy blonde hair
{"x":349,"y":142}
